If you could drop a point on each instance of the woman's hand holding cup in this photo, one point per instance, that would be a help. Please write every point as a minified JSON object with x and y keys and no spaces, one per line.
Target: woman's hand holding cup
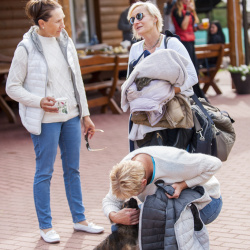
{"x":47,"y":104}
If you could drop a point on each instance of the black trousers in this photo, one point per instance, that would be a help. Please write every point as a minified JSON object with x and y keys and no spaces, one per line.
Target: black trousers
{"x":191,"y":51}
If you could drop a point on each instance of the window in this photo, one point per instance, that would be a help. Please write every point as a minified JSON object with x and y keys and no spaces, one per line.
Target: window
{"x":82,"y":22}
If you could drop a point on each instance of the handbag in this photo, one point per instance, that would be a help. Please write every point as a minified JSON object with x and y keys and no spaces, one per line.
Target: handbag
{"x":213,"y":130}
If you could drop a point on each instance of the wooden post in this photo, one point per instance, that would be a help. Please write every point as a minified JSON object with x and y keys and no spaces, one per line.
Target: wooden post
{"x":66,"y":9}
{"x":235,"y":36}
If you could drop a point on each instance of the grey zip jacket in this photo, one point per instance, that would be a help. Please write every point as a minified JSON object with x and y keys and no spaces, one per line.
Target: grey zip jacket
{"x":173,"y":224}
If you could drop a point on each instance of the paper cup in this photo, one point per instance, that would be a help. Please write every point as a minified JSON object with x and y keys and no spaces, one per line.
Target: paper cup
{"x":62,"y":105}
{"x":205,"y":23}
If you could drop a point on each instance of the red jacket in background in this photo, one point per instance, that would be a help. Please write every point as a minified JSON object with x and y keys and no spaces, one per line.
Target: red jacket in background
{"x":188,"y":34}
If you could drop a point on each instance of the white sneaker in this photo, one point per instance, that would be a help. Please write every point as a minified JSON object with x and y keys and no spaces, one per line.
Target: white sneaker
{"x":50,"y":237}
{"x":91,"y":228}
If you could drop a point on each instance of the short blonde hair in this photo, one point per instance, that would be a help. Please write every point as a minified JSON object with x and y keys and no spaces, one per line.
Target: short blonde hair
{"x":126,"y":179}
{"x":152,"y":10}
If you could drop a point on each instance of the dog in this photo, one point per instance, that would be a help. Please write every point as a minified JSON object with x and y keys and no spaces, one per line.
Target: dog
{"x":126,"y":236}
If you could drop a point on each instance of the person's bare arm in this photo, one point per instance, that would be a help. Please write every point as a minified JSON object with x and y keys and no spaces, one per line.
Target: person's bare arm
{"x":185,"y":22}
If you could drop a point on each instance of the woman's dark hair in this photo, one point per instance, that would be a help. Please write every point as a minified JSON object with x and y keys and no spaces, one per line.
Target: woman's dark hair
{"x":219,"y":37}
{"x":40,"y":9}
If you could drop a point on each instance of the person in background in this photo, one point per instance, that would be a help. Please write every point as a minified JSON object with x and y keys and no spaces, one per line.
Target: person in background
{"x":125,"y":26}
{"x":215,"y":35}
{"x":168,"y":23}
{"x":45,"y":67}
{"x":186,"y":22}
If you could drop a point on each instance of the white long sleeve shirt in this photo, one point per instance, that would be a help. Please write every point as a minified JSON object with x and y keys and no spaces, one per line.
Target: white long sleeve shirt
{"x":173,"y":165}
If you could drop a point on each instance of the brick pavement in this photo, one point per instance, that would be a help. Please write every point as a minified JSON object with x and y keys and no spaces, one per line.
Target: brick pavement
{"x":18,"y":222}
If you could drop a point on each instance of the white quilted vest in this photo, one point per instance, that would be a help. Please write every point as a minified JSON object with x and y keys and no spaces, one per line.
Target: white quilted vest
{"x":37,"y":77}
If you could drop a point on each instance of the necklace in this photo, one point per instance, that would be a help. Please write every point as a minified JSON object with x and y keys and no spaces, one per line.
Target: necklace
{"x":149,"y":48}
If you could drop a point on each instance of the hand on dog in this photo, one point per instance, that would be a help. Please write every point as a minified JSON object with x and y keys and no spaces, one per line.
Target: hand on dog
{"x":178,"y":187}
{"x":126,"y":216}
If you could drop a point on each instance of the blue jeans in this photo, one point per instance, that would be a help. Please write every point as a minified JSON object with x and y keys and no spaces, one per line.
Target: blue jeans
{"x":68,"y":136}
{"x":211,"y":211}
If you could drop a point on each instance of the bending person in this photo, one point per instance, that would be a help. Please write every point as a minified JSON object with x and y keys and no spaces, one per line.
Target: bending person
{"x":45,"y":67}
{"x":136,"y":174}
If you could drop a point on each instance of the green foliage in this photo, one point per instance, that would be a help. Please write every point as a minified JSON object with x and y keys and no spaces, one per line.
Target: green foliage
{"x":219,"y":13}
{"x":242,"y":69}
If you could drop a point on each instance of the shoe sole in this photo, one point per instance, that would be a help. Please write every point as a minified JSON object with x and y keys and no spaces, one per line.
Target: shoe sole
{"x":79,"y":230}
{"x":51,"y":242}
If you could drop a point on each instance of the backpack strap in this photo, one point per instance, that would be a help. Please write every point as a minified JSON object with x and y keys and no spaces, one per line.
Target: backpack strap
{"x":168,"y":35}
{"x":199,"y":104}
{"x":166,"y":39}
{"x":134,"y":62}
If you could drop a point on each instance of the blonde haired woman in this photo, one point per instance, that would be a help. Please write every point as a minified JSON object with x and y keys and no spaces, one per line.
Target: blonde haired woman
{"x":136,"y":174}
{"x":147,"y":24}
{"x":45,"y":66}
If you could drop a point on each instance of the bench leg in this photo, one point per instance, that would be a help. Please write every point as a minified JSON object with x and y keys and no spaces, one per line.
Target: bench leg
{"x":114,"y":107}
{"x":205,"y":88}
{"x":7,"y":110}
{"x":104,"y":109}
{"x":213,"y":84}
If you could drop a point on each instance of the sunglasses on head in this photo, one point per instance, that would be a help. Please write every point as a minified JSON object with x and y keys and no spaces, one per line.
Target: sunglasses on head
{"x":138,"y":16}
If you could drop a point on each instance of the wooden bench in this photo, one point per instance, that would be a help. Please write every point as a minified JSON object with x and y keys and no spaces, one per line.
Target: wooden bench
{"x":4,"y":70}
{"x":227,"y":47}
{"x":106,"y":88}
{"x":121,"y":65}
{"x":207,"y":74}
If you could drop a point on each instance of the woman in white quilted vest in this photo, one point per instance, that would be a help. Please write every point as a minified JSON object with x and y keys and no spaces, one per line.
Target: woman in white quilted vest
{"x":45,"y":68}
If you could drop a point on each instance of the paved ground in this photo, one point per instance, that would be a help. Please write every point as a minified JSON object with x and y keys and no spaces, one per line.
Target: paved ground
{"x":18,"y":222}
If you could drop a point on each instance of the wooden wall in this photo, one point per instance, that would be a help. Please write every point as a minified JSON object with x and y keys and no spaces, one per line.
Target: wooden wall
{"x":66,"y":10}
{"x":13,"y":24}
{"x":110,"y":11}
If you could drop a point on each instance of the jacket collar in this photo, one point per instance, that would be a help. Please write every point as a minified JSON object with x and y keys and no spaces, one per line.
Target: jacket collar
{"x":32,"y":34}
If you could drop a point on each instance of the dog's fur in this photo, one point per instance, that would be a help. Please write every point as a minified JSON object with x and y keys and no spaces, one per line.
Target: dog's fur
{"x":126,"y":237}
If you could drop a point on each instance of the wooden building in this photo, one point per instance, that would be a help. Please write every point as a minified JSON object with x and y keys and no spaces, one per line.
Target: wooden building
{"x":85,"y":20}
{"x":13,"y":24}
{"x":98,"y":17}
{"x":102,"y":18}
